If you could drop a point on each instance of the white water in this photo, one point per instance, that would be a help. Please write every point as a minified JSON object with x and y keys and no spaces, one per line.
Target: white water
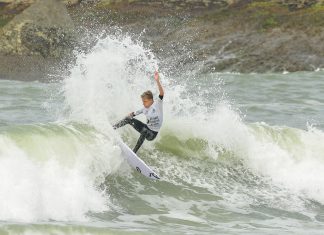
{"x":49,"y":179}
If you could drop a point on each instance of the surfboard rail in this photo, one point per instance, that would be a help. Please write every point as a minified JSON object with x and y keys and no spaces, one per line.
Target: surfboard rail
{"x":136,"y":162}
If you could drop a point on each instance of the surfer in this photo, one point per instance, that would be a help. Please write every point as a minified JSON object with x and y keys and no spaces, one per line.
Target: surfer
{"x":153,"y":110}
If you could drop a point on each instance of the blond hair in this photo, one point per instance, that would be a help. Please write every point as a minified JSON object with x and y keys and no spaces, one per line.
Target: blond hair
{"x":147,"y":95}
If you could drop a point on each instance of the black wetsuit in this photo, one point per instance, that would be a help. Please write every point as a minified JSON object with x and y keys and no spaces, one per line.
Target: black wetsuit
{"x":142,"y":128}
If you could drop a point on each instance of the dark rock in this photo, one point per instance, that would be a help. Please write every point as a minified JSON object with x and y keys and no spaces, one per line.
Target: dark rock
{"x":299,"y":4}
{"x":47,"y":41}
{"x":45,"y":28}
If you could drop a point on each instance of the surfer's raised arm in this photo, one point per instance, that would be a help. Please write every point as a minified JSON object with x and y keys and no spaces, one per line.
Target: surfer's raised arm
{"x":157,"y":79}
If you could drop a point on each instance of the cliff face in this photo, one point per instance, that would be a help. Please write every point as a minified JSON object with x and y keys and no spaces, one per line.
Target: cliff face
{"x":10,"y":8}
{"x":207,"y":4}
{"x":207,"y":35}
{"x":178,"y":4}
{"x":36,"y":41}
{"x":45,"y":28}
{"x":29,"y":2}
{"x":242,"y":36}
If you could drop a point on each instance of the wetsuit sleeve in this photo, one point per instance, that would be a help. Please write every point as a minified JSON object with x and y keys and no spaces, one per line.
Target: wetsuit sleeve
{"x":138,"y":112}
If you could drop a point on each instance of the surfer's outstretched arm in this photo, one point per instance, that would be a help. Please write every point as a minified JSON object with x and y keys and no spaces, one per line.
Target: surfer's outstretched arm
{"x":157,"y":79}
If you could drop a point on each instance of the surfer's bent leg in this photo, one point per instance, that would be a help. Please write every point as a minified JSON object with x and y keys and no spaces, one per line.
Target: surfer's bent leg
{"x":151,"y":135}
{"x":140,"y":140}
{"x":138,"y":125}
{"x":122,"y":122}
{"x":145,"y":134}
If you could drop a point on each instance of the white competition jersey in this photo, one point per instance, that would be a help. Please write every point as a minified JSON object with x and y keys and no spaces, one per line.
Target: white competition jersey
{"x":154,"y":115}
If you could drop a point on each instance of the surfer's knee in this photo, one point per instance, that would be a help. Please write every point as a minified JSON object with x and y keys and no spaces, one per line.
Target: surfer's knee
{"x":144,"y":132}
{"x":150,"y":135}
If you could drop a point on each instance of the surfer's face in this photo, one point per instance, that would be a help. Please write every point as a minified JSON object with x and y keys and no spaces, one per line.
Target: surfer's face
{"x":147,"y":102}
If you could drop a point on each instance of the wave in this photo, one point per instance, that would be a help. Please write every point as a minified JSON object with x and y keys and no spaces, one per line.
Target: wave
{"x":72,"y":169}
{"x":53,"y":172}
{"x":64,"y":171}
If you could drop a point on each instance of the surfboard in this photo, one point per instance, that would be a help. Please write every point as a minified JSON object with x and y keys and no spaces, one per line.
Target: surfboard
{"x":136,"y":162}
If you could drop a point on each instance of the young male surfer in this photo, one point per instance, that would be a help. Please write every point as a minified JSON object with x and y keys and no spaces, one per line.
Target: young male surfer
{"x":153,"y":110}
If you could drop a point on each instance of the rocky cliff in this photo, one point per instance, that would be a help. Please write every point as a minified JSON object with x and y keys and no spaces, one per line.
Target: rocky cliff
{"x":208,"y":35}
{"x":45,"y":28}
{"x":207,"y":4}
{"x":178,"y":4}
{"x":36,"y":41}
{"x":29,"y":2}
{"x":240,"y":36}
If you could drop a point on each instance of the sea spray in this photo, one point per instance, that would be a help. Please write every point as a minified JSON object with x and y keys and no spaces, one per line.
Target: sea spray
{"x":107,"y":82}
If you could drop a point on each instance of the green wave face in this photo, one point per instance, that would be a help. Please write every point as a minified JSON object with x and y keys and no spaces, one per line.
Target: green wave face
{"x":54,"y":171}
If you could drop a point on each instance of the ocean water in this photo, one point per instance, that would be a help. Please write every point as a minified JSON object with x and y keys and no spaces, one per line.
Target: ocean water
{"x":237,"y":154}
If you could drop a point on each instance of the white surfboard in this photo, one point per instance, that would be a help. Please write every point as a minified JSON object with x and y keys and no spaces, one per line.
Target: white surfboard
{"x":136,"y":162}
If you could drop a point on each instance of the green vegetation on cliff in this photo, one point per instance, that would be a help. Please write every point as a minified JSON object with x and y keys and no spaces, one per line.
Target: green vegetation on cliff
{"x":4,"y":20}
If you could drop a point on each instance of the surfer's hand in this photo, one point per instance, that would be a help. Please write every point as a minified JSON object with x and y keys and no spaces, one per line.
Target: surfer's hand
{"x":156,"y":76}
{"x":131,"y":115}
